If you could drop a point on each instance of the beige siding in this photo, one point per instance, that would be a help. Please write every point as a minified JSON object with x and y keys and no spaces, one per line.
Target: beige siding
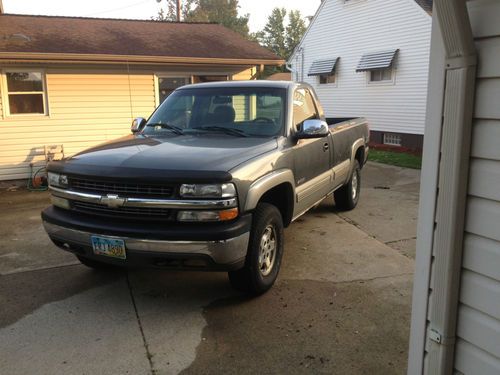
{"x":478,"y":328}
{"x":87,"y":106}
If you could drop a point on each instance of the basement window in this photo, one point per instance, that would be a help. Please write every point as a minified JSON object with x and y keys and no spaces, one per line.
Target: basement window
{"x":392,"y":139}
{"x":26,"y":93}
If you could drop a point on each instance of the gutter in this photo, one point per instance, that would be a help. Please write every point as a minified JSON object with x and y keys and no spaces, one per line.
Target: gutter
{"x":451,"y":192}
{"x":133,"y":59}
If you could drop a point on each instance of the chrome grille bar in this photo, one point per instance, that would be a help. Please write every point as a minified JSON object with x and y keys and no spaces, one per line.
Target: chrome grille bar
{"x":147,"y":202}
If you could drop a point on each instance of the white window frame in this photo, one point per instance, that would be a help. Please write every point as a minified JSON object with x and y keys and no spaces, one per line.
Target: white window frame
{"x":5,"y":93}
{"x":393,"y":142}
{"x":387,"y":82}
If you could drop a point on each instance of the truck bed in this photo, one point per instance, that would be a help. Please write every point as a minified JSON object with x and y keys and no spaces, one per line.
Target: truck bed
{"x":333,"y":121}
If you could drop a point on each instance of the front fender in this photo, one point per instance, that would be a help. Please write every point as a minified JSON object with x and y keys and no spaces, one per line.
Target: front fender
{"x":265,"y":183}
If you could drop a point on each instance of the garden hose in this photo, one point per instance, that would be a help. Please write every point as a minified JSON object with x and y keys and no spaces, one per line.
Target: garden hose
{"x":37,"y":185}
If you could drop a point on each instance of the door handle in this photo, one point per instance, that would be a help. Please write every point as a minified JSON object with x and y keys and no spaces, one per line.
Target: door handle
{"x":326,"y":147}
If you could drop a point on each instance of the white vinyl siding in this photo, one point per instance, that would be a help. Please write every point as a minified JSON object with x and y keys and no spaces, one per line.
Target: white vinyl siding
{"x":363,"y":27}
{"x":478,"y":327}
{"x":86,"y":106}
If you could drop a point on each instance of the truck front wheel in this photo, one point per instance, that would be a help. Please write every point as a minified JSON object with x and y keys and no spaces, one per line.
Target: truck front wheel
{"x":265,"y":250}
{"x":346,"y":198}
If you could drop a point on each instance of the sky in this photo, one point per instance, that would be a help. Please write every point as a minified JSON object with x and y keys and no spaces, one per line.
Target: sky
{"x":259,"y":10}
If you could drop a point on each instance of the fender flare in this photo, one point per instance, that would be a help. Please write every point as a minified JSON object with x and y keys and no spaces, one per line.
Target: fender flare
{"x":357,"y":144}
{"x":265,"y":183}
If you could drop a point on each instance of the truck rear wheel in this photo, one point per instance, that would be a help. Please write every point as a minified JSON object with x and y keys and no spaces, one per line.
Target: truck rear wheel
{"x":265,"y":250}
{"x":346,"y":198}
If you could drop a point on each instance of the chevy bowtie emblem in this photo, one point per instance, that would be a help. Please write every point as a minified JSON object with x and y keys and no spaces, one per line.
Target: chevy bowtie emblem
{"x":112,"y":201}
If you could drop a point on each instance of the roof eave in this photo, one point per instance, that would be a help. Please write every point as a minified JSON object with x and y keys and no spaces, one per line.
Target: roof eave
{"x":105,"y":58}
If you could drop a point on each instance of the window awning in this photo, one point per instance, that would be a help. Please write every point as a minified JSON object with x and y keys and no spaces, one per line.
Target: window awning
{"x":376,"y":60}
{"x":320,"y":67}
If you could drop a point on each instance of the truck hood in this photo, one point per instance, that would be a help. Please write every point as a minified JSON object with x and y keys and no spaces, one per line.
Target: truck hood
{"x":207,"y":156}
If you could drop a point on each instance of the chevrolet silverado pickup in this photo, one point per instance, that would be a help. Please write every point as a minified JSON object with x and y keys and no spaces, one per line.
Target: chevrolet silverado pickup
{"x":208,"y":182}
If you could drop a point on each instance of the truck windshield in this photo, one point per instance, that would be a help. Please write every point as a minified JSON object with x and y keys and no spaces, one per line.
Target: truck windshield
{"x":246,"y":112}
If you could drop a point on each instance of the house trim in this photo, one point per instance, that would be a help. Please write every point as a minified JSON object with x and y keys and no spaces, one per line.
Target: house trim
{"x":132,"y":59}
{"x":444,"y":183}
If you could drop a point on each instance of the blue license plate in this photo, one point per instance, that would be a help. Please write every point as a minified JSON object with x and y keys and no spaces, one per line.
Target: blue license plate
{"x":111,"y":247}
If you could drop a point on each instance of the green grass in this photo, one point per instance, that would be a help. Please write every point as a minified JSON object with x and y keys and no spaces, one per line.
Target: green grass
{"x":399,"y":159}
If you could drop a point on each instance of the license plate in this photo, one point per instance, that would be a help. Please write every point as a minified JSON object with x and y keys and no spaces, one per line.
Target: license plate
{"x":111,"y":247}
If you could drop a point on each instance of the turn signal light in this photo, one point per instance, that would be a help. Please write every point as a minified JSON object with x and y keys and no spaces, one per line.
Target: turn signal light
{"x":230,"y":214}
{"x":223,"y":215}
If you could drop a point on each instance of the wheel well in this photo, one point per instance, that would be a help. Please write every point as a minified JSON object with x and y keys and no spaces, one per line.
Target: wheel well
{"x":281,"y":196}
{"x":360,"y":156}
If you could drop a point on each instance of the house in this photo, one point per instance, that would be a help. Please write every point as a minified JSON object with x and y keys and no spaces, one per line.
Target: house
{"x":370,"y":58}
{"x":68,"y":83}
{"x":456,"y":295}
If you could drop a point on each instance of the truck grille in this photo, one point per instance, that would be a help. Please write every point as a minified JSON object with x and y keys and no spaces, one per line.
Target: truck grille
{"x":126,"y":212}
{"x":122,"y":189}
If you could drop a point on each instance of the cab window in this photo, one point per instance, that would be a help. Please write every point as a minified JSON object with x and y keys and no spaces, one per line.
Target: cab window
{"x":303,"y":107}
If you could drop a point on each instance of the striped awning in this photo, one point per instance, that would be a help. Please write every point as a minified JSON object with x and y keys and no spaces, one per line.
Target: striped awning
{"x":376,"y":60}
{"x":320,"y":67}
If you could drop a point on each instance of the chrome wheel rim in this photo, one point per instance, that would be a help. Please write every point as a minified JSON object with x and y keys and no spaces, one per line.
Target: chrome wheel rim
{"x":267,"y":250}
{"x":354,"y":185}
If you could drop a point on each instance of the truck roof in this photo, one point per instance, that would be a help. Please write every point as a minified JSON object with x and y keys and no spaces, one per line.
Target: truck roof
{"x":254,"y":83}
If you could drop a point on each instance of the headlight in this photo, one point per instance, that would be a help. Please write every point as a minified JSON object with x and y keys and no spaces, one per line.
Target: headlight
{"x":207,"y":191}
{"x":56,"y":179}
{"x":223,"y":215}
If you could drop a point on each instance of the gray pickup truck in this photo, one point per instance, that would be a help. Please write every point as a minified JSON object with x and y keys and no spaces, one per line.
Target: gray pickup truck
{"x":208,"y":182}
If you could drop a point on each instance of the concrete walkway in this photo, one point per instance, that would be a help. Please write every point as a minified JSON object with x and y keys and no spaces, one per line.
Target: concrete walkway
{"x":341,"y":304}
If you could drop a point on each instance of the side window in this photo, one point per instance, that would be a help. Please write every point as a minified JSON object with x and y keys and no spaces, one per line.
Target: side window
{"x":26,"y":92}
{"x":303,"y":107}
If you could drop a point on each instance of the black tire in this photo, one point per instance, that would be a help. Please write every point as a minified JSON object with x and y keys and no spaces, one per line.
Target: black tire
{"x":94,"y":264}
{"x":252,"y":278}
{"x":347,"y":197}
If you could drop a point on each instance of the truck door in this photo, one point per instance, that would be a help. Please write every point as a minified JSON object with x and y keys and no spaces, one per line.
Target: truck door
{"x":311,"y":156}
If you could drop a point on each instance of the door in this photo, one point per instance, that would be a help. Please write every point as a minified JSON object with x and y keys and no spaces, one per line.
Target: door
{"x":313,"y":176}
{"x":166,"y":85}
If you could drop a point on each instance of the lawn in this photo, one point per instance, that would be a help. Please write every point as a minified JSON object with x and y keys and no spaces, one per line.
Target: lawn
{"x":399,"y":159}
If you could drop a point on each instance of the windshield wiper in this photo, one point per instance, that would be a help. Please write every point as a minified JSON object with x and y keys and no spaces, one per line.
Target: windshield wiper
{"x":174,"y":129}
{"x":230,"y":131}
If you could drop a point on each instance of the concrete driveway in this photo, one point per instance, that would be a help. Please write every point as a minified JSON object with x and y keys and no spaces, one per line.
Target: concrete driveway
{"x":341,"y":304}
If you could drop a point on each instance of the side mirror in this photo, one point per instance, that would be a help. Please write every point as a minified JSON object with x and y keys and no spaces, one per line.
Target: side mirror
{"x":138,"y":124}
{"x":313,"y":129}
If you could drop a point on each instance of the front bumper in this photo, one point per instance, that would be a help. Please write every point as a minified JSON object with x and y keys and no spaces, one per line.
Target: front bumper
{"x":212,"y":247}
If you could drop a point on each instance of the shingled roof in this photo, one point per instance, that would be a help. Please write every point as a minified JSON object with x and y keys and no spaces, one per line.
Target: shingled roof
{"x":426,"y":5}
{"x":133,"y":39}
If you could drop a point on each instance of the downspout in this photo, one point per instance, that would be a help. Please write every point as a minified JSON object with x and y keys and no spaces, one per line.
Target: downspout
{"x":293,"y":68}
{"x":461,"y":61}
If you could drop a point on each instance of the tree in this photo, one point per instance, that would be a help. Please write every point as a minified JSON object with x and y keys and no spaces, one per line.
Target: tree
{"x":294,"y":31}
{"x":171,"y":10}
{"x":273,"y":36}
{"x":279,"y":38}
{"x":224,"y":12}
